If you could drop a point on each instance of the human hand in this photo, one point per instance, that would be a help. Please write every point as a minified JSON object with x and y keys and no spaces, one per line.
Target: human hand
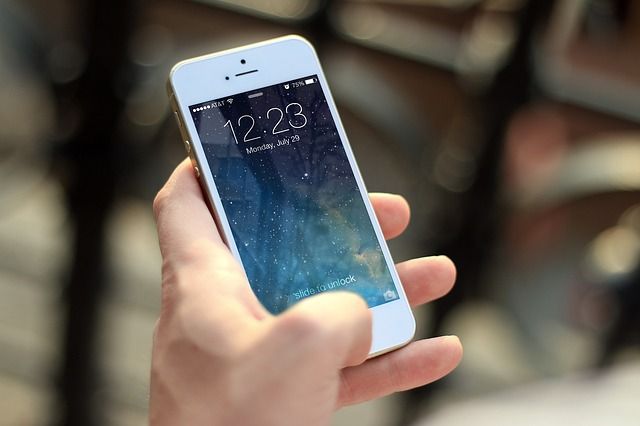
{"x":219,"y":358}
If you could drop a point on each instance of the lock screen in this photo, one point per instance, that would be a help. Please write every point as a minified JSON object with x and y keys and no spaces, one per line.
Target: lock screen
{"x":290,"y":196}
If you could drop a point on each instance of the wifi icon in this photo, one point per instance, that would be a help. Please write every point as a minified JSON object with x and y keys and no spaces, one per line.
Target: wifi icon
{"x":230,"y":101}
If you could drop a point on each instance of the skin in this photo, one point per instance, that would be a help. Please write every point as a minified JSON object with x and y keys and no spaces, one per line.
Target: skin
{"x":219,"y":358}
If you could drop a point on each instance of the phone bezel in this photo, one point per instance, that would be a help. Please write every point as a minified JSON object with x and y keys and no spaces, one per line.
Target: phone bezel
{"x":287,"y":58}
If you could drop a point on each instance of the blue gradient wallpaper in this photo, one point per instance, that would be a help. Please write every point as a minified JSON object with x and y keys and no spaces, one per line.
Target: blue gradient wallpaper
{"x":290,"y":196}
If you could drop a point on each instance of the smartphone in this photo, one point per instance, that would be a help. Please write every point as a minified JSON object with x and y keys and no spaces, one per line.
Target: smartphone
{"x":272,"y":156}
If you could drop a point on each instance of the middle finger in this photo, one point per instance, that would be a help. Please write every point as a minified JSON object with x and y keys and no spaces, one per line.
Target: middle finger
{"x":426,"y":278}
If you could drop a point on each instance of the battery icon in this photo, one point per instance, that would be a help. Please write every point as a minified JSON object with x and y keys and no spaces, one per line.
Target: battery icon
{"x":310,"y":81}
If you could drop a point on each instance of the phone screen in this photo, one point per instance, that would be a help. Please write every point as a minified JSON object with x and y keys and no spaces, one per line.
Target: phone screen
{"x":290,"y":196}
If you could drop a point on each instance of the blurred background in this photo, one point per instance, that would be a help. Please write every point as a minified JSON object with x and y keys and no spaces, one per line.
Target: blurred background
{"x":511,"y":126}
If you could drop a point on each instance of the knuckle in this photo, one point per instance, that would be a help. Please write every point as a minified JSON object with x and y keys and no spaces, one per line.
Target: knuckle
{"x":160,"y":201}
{"x":176,"y":283}
{"x":184,"y":271}
{"x":171,"y":289}
{"x":196,"y":260}
{"x":302,"y":327}
{"x":193,"y":258}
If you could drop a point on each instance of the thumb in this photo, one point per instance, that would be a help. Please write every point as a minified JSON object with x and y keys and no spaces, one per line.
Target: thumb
{"x":335,"y":322}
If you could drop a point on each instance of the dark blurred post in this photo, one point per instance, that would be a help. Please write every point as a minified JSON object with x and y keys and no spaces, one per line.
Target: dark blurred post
{"x":469,"y":241}
{"x":90,"y":161}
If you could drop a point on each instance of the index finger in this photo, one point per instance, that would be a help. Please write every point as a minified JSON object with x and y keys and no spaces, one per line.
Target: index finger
{"x":195,"y":258}
{"x":183,"y":218}
{"x":392,"y":211}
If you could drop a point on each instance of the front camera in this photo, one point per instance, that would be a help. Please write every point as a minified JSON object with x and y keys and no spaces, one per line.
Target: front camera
{"x":242,"y":61}
{"x":226,"y":78}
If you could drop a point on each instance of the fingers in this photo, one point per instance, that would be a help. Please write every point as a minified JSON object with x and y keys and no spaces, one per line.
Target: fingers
{"x":427,"y":278}
{"x":334,"y":323}
{"x":423,"y":279}
{"x":393,"y":213}
{"x":181,"y":213}
{"x":417,"y":364}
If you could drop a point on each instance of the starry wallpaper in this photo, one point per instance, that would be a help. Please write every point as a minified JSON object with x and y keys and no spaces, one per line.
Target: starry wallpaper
{"x":290,"y":196}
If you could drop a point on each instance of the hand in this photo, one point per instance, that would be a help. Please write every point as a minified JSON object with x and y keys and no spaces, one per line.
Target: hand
{"x":219,"y":358}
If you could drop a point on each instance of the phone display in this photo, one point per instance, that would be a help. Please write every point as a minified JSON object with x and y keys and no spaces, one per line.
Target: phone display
{"x":290,"y":196}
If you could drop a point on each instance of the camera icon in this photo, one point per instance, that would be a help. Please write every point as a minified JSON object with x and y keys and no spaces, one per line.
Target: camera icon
{"x":389,"y":295}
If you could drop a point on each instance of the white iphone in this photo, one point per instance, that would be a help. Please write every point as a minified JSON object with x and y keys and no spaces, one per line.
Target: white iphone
{"x":267,"y":144}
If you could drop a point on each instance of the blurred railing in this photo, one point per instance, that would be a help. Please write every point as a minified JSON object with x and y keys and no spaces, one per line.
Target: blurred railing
{"x":449,"y":80}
